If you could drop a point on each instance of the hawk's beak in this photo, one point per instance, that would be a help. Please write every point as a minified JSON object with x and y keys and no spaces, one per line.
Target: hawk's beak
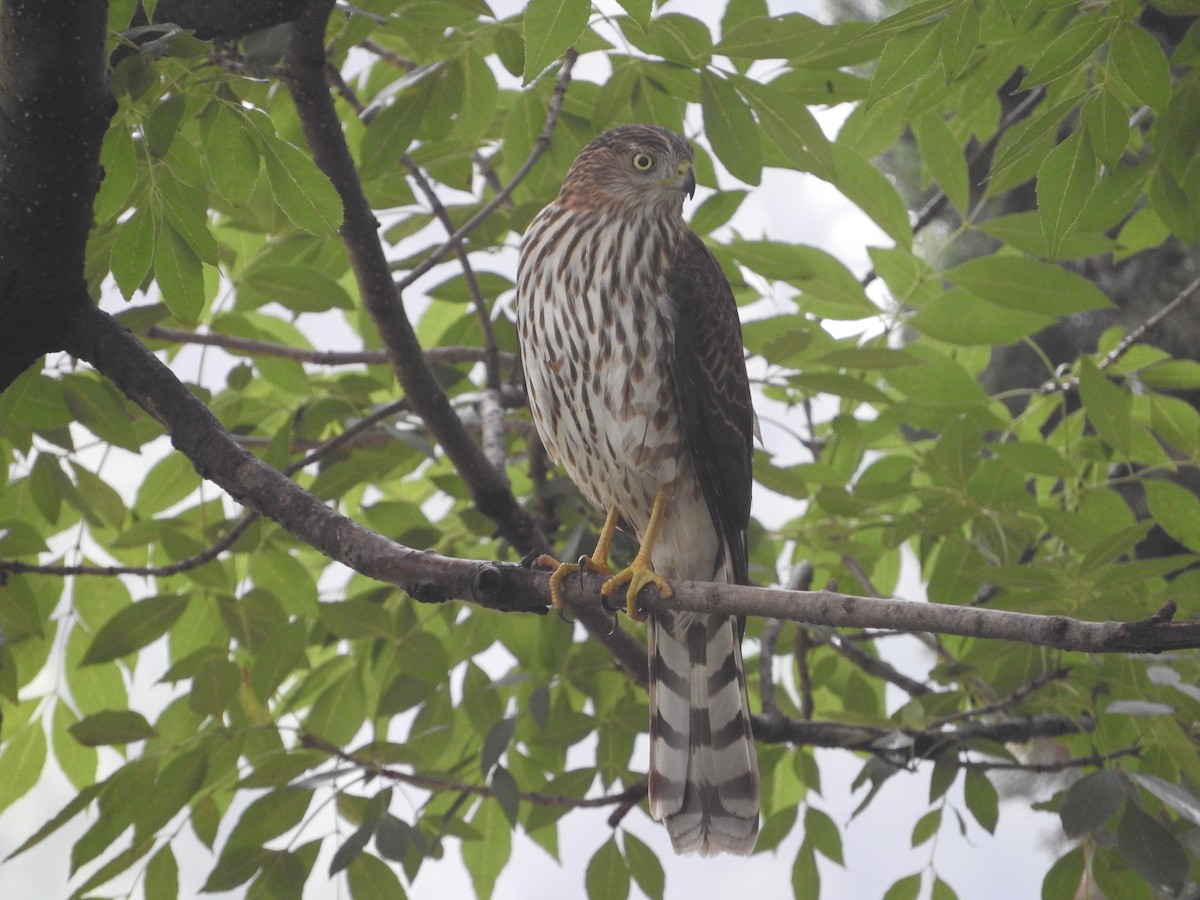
{"x":685,"y":178}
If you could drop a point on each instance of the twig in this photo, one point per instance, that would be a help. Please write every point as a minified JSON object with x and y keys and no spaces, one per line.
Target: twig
{"x":381,"y":296}
{"x":1138,"y":333}
{"x":1009,"y":702}
{"x":540,"y":146}
{"x":1071,"y":384}
{"x":395,"y":59}
{"x":478,"y":301}
{"x":635,"y":792}
{"x":229,"y":539}
{"x":446,"y":356}
{"x":934,"y":205}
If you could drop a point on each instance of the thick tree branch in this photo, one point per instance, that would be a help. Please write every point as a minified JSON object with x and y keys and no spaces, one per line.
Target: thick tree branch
{"x":227,"y":19}
{"x":54,"y":108}
{"x":322,"y":129}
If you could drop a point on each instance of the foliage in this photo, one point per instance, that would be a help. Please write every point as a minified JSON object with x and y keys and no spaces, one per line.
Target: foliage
{"x":296,"y":685}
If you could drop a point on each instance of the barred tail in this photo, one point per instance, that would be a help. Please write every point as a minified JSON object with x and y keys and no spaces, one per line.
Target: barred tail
{"x":703,"y":780}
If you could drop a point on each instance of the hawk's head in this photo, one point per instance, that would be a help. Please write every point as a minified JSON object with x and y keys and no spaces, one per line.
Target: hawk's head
{"x":632,"y":165}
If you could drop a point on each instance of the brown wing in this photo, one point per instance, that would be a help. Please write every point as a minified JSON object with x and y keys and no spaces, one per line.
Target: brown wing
{"x":713,"y":391}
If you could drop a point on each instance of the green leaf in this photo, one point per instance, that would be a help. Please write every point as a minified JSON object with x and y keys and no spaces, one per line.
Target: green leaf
{"x":1136,"y":58}
{"x":959,"y":317}
{"x":369,"y":877}
{"x":163,"y":123}
{"x":487,"y":856}
{"x":186,"y":210}
{"x":392,"y":130}
{"x":74,"y":807}
{"x":340,"y":710}
{"x":1090,"y":802}
{"x":100,"y":408}
{"x":806,"y":877}
{"x":906,"y":888}
{"x":644,"y":866}
{"x":1152,"y":850}
{"x":300,"y":188}
{"x":479,"y":95}
{"x":271,"y":815}
{"x":1065,"y":876}
{"x":821,"y":832}
{"x":134,"y":627}
{"x":111,"y":728}
{"x":927,"y":826}
{"x":982,"y":799}
{"x":162,"y":875}
{"x":496,"y":743}
{"x":133,"y":251}
{"x":789,"y":124}
{"x":868,"y":189}
{"x":296,"y":286}
{"x":1107,"y":124}
{"x":231,"y":154}
{"x":550,"y":28}
{"x":21,"y":762}
{"x":639,"y":10}
{"x":906,"y":58}
{"x":730,"y":128}
{"x":179,"y":275}
{"x":943,"y":158}
{"x":214,"y":686}
{"x":352,"y":847}
{"x":1175,"y":509}
{"x":1065,"y":181}
{"x":1108,"y":407}
{"x":1172,"y":375}
{"x":1028,"y":284}
{"x":170,"y":480}
{"x":607,"y":875}
{"x":770,"y":37}
{"x":79,"y":763}
{"x":1068,"y":49}
{"x":1023,"y":231}
{"x":959,"y":37}
{"x":356,"y":619}
{"x":716,"y":210}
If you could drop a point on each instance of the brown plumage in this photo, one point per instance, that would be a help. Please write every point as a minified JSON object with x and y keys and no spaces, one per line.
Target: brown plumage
{"x":633,"y":359}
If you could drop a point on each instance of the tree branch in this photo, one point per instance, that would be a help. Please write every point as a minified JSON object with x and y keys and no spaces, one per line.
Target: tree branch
{"x":227,"y":19}
{"x":322,"y":129}
{"x":54,"y":108}
{"x":540,"y":146}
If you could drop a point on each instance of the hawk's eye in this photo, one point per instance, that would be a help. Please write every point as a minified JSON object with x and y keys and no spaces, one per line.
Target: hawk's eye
{"x":643,"y":162}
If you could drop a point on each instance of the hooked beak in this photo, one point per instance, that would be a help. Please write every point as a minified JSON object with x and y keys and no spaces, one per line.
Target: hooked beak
{"x":685,"y":179}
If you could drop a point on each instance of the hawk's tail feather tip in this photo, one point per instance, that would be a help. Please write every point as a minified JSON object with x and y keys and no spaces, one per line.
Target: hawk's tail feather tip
{"x":704,"y":782}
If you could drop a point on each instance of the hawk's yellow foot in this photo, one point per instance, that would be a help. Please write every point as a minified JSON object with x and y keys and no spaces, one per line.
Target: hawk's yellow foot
{"x":640,"y":572}
{"x":597,"y":562}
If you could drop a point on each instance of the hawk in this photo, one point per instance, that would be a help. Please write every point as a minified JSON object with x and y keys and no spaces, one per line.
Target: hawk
{"x":633,"y":359}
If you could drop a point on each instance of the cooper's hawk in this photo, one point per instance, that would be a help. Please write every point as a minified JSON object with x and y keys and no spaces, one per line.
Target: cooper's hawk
{"x":633,"y":359}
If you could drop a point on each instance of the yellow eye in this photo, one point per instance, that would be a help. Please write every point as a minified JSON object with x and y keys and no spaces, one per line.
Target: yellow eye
{"x":643,"y":162}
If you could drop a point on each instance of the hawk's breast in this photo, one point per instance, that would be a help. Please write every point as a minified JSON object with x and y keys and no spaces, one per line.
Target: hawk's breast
{"x":596,"y":333}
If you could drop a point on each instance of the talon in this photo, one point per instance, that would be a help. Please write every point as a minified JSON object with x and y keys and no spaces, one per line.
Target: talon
{"x":561,"y":571}
{"x":640,"y":571}
{"x":637,"y":576}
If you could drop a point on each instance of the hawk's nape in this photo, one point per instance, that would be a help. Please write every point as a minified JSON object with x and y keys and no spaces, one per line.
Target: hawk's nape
{"x":637,"y":382}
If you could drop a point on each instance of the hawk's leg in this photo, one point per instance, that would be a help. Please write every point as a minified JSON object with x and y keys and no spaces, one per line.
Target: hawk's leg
{"x":597,"y":562}
{"x":640,"y":573}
